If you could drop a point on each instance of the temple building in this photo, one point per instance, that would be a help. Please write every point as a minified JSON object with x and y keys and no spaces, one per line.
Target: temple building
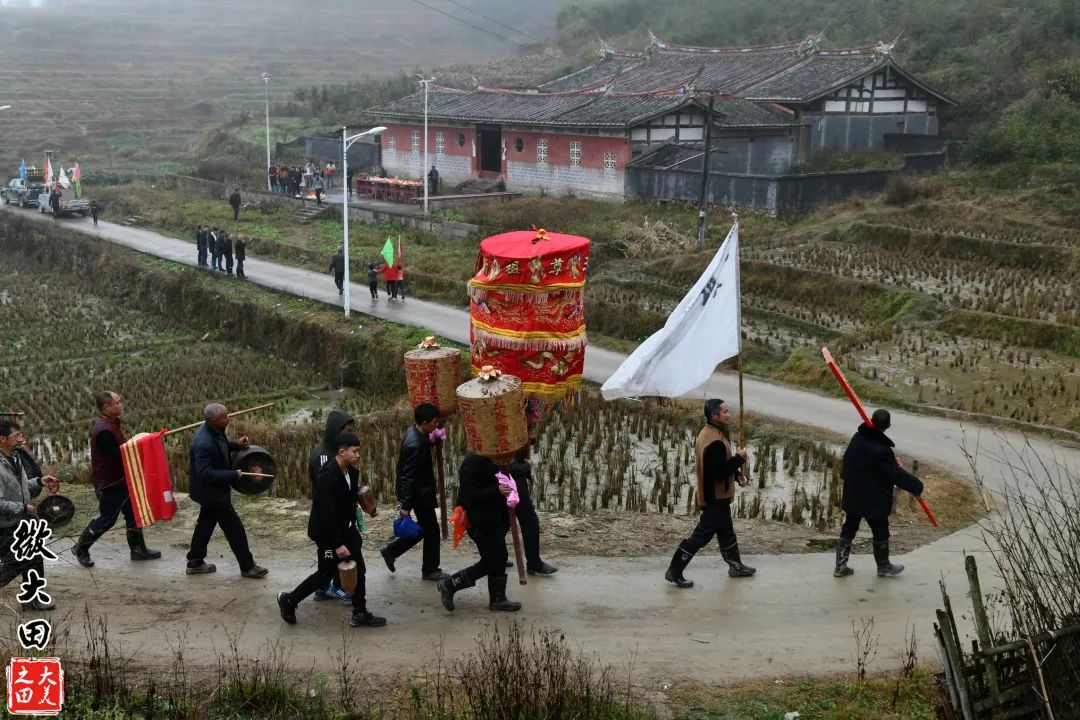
{"x":775,"y":106}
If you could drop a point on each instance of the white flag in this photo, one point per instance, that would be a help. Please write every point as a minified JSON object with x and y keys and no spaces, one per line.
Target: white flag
{"x":64,"y":181}
{"x":703,"y":331}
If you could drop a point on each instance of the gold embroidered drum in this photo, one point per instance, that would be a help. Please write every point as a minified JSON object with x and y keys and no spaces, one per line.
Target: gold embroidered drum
{"x":347,"y":572}
{"x":433,"y":374}
{"x":492,"y":408}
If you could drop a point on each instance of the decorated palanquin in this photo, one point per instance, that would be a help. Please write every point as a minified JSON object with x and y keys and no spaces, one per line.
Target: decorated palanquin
{"x":527,"y":316}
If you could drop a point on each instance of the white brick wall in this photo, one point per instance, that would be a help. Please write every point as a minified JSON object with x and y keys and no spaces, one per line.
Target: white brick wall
{"x":453,"y":169}
{"x":563,"y":179}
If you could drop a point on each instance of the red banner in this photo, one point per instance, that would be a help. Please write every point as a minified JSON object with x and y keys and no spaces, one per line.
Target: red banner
{"x":146,"y":470}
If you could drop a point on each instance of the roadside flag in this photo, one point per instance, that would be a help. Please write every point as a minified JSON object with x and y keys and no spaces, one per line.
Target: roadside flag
{"x":48,"y":173}
{"x":388,"y":252}
{"x":62,"y":178}
{"x":703,"y":330}
{"x":22,"y":170}
{"x":146,"y":470}
{"x":76,"y":176}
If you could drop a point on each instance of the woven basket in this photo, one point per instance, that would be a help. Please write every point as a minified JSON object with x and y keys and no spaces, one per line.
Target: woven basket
{"x":494,"y":415}
{"x":433,"y":375}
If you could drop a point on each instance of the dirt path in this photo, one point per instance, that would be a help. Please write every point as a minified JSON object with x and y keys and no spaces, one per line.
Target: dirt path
{"x":794,"y":617}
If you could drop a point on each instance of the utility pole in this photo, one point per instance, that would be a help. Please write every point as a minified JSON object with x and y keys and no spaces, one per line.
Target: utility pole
{"x":266,"y":77}
{"x":705,"y":174}
{"x":423,"y":173}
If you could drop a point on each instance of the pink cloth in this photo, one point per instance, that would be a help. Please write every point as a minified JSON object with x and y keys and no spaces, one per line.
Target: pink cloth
{"x":506,"y":479}
{"x":437,"y":434}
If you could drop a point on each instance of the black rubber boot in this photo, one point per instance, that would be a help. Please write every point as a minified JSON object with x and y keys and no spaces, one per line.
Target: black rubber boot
{"x":497,"y":595}
{"x":843,"y":552}
{"x":881,"y":556}
{"x":137,"y":544}
{"x":81,"y":549}
{"x":735,"y":564}
{"x":679,"y":561}
{"x":450,"y":585}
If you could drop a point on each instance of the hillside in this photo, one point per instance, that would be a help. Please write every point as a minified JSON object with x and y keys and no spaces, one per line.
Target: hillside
{"x":133,"y":81}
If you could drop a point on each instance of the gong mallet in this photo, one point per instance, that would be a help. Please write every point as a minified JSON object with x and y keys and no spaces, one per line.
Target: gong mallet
{"x":850,"y":392}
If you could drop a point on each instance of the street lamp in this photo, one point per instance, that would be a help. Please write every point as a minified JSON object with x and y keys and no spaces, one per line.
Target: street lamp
{"x":266,"y":77}
{"x":423,"y":173}
{"x":5,"y":107}
{"x":346,"y":143}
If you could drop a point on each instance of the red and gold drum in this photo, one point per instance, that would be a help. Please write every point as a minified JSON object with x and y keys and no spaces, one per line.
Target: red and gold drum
{"x":492,"y":409}
{"x":433,"y":374}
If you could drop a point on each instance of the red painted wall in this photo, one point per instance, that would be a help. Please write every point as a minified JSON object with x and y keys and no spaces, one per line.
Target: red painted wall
{"x":592,"y":148}
{"x":403,"y":134}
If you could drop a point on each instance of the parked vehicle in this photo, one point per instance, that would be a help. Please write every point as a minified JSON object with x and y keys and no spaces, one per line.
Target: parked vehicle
{"x":22,"y":192}
{"x":68,"y":205}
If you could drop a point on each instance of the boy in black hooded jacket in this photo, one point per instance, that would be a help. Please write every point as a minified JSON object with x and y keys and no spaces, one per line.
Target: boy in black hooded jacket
{"x":337,"y":422}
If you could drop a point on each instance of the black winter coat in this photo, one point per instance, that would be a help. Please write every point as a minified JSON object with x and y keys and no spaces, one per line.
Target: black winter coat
{"x":479,"y":495}
{"x":241,"y":250}
{"x":324,"y":451}
{"x":870,"y":472}
{"x":333,"y":506}
{"x":415,"y":471}
{"x":211,"y":476}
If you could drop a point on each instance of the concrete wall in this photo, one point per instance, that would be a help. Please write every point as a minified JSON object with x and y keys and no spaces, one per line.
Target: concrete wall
{"x":778,"y":194}
{"x":754,"y":154}
{"x":860,"y":133}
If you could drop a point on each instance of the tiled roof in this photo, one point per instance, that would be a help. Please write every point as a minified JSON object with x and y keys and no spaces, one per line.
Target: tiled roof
{"x":627,"y":88}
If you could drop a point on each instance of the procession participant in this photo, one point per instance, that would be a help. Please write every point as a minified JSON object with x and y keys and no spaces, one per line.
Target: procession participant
{"x":16,"y":492}
{"x":200,"y":244}
{"x":373,"y":281}
{"x":484,"y":499}
{"x":110,"y":487}
{"x":234,"y":203}
{"x":718,"y":470}
{"x":338,"y":422}
{"x":215,"y":251}
{"x":332,"y":527}
{"x":416,"y":492}
{"x":521,"y":471}
{"x":210,"y":486}
{"x":226,"y":251}
{"x":337,"y":266}
{"x":241,"y":256}
{"x":870,"y":472}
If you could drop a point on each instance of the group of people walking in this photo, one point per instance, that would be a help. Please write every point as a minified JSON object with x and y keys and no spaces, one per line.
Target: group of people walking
{"x":870,"y":471}
{"x":393,"y":276}
{"x":217,"y":245}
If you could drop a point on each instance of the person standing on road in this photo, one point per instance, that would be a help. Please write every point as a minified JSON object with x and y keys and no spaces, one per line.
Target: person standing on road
{"x":416,"y":492}
{"x":337,"y":266}
{"x":16,"y":492}
{"x":521,"y":471}
{"x":210,"y":484}
{"x":54,"y":201}
{"x":241,"y":255}
{"x":332,"y":527}
{"x":95,"y":211}
{"x":870,"y":473}
{"x":433,"y":181}
{"x":338,"y":422}
{"x":226,"y":251}
{"x":201,"y":236}
{"x":271,"y":177}
{"x":234,"y":202}
{"x":317,"y":186}
{"x":373,"y":281}
{"x":110,"y":487}
{"x":718,"y":471}
{"x":349,"y":181}
{"x":215,"y":249}
{"x":484,"y":501}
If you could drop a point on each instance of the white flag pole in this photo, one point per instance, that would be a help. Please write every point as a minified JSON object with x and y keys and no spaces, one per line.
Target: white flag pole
{"x":738,"y":296}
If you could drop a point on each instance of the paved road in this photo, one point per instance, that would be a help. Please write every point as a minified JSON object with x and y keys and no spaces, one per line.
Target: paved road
{"x":792,"y":617}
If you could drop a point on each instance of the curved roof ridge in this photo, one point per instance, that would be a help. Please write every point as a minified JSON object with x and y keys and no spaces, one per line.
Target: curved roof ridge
{"x":882,"y":47}
{"x":705,"y":49}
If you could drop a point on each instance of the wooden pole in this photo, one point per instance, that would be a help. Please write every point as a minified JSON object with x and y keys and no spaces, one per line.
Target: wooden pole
{"x":742,"y":422}
{"x":982,"y":622}
{"x":232,"y":414}
{"x":519,"y":557}
{"x":441,"y":481}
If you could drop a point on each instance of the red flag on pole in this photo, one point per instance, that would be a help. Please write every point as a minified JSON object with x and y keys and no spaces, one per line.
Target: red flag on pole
{"x":146,"y":469}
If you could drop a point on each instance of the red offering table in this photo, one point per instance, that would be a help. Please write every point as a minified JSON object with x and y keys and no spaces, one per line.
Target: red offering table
{"x":526,"y":313}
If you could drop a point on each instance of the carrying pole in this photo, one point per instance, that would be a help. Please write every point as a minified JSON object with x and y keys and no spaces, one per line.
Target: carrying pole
{"x":232,"y":414}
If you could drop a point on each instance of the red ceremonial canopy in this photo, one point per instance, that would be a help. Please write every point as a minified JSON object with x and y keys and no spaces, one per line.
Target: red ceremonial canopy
{"x":526,"y":311}
{"x":146,"y":470}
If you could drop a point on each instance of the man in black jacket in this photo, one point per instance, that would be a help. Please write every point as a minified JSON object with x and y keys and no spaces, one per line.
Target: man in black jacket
{"x":870,"y":472}
{"x":416,"y":492}
{"x":241,"y":256}
{"x":215,"y":249}
{"x":332,"y":526}
{"x":234,"y":203}
{"x":225,"y":243}
{"x":338,"y":422}
{"x":484,"y":499}
{"x":200,"y":243}
{"x":337,"y":266}
{"x":210,"y":485}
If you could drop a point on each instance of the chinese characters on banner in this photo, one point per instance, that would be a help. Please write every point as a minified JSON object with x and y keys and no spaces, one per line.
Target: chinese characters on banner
{"x":35,"y":685}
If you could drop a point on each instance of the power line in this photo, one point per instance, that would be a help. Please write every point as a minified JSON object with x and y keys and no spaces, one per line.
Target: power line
{"x":496,"y":22}
{"x":466,"y":22}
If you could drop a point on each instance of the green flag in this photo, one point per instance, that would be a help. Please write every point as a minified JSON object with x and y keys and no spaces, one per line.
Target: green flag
{"x":388,"y":251}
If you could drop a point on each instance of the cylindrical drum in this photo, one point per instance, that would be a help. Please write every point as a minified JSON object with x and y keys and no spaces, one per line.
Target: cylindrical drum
{"x":254,"y":459}
{"x":433,"y":373}
{"x":492,"y":409}
{"x":366,"y":500}
{"x":347,"y":572}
